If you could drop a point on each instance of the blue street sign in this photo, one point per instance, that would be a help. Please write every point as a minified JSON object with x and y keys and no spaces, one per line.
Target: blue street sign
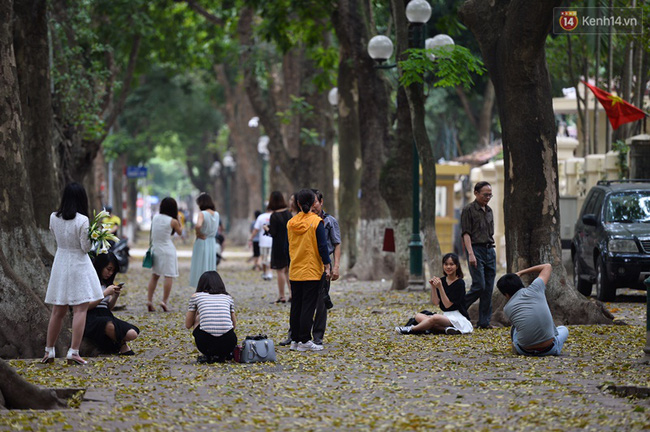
{"x":136,"y":171}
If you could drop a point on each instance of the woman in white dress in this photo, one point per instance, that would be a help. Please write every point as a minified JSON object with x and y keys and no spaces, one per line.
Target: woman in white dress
{"x":73,"y":281}
{"x":165,"y":263}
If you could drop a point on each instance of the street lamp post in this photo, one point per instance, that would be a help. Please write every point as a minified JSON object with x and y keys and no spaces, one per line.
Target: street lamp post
{"x":380,"y":48}
{"x":230,"y":165}
{"x":263,"y":150}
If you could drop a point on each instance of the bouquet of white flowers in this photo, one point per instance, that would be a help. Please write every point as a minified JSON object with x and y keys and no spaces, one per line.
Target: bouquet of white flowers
{"x":99,"y":233}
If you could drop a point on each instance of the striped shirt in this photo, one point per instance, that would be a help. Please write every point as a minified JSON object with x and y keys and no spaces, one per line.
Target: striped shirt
{"x":214,"y":312}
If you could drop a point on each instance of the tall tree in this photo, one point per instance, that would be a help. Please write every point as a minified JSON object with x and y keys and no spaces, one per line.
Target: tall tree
{"x":24,"y":260}
{"x":94,"y":67}
{"x":238,"y":111}
{"x":365,"y":141}
{"x":415,"y":98}
{"x":286,"y":113}
{"x":31,"y":51}
{"x":512,"y":35}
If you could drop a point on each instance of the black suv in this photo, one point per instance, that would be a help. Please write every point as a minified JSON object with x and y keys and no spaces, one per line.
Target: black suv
{"x":611,"y":244}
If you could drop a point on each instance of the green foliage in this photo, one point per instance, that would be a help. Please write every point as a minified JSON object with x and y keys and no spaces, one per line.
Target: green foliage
{"x":185,"y":40}
{"x":581,"y":50}
{"x":623,"y":149}
{"x":168,"y":177}
{"x":175,"y":118}
{"x":451,"y":67}
{"x":298,"y":107}
{"x":310,"y":137}
{"x":288,"y":23}
{"x":326,"y":60}
{"x":78,"y":68}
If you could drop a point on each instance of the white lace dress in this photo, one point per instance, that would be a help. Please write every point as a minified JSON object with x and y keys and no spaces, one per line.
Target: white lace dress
{"x":73,"y":279}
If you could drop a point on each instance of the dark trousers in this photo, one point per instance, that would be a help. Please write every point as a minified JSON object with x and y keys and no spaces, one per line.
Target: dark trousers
{"x":320,"y":319}
{"x":482,"y":282}
{"x":304,"y":295}
{"x":215,"y":346}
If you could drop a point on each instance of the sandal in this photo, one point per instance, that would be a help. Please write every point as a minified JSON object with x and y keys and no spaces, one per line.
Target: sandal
{"x":73,"y":358}
{"x":150,"y":307}
{"x":280,"y":300}
{"x":49,"y":355}
{"x":163,"y":306}
{"x":128,"y":352}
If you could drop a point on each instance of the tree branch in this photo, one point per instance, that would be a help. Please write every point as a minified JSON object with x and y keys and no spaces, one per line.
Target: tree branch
{"x":108,"y":98}
{"x":254,"y":92}
{"x":485,"y":118}
{"x":126,"y":88}
{"x":468,"y":110}
{"x":204,"y":13}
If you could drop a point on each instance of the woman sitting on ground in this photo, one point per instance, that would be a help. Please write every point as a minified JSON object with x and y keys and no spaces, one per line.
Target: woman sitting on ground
{"x":109,"y":334}
{"x":212,"y":314}
{"x":448,"y":293}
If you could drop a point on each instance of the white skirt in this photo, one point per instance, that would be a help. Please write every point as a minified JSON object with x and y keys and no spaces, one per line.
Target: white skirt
{"x":459,"y":322}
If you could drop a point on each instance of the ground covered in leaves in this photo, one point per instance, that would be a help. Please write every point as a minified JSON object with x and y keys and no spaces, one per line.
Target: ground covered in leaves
{"x":367,"y":378}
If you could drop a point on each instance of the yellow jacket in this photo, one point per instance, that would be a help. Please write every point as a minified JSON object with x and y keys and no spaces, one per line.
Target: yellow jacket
{"x":306,"y":263}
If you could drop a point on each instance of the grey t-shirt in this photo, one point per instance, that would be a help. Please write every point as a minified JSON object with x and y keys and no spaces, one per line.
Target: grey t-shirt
{"x":528,"y":310}
{"x":333,"y":232}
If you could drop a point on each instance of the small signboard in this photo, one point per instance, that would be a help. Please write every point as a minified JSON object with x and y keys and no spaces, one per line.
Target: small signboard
{"x":136,"y":171}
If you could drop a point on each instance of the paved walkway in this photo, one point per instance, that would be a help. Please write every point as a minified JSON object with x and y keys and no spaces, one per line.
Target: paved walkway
{"x":187,"y":253}
{"x":367,"y":378}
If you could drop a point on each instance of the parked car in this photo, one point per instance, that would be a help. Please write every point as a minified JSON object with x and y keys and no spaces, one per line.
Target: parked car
{"x":611,"y":242}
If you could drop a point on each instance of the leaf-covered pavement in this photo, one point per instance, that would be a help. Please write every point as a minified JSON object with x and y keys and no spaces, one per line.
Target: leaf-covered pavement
{"x":367,"y":378}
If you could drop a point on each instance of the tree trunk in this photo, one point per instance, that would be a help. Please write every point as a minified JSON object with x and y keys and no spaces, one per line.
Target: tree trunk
{"x":397,"y":189}
{"x":237,"y":112}
{"x":24,"y":261}
{"x":16,"y":393}
{"x":349,"y":159}
{"x":581,"y":101}
{"x":370,"y":96}
{"x":511,"y":35}
{"x":281,"y":146}
{"x":485,"y":118}
{"x":626,"y":87}
{"x":32,"y":57}
{"x":415,"y":97}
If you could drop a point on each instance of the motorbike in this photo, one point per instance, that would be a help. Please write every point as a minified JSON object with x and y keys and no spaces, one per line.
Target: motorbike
{"x":121,"y":251}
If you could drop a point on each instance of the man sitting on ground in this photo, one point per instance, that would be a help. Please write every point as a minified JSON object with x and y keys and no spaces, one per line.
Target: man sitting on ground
{"x":533,"y":331}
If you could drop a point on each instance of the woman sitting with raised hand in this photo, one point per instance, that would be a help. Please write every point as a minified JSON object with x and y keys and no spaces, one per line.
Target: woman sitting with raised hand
{"x":108,"y":333}
{"x":211,"y":312}
{"x":447,"y":292}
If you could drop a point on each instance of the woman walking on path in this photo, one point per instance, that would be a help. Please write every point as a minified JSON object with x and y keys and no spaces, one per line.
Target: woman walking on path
{"x":448,"y":293}
{"x":165,"y":263}
{"x":109,"y":334}
{"x":73,"y":281}
{"x":212,"y":314}
{"x":265,"y":242}
{"x":280,"y":247}
{"x":310,"y":263}
{"x":204,"y":254}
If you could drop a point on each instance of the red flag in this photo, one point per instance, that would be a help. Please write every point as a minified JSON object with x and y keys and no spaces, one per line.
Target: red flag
{"x":618,"y":111}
